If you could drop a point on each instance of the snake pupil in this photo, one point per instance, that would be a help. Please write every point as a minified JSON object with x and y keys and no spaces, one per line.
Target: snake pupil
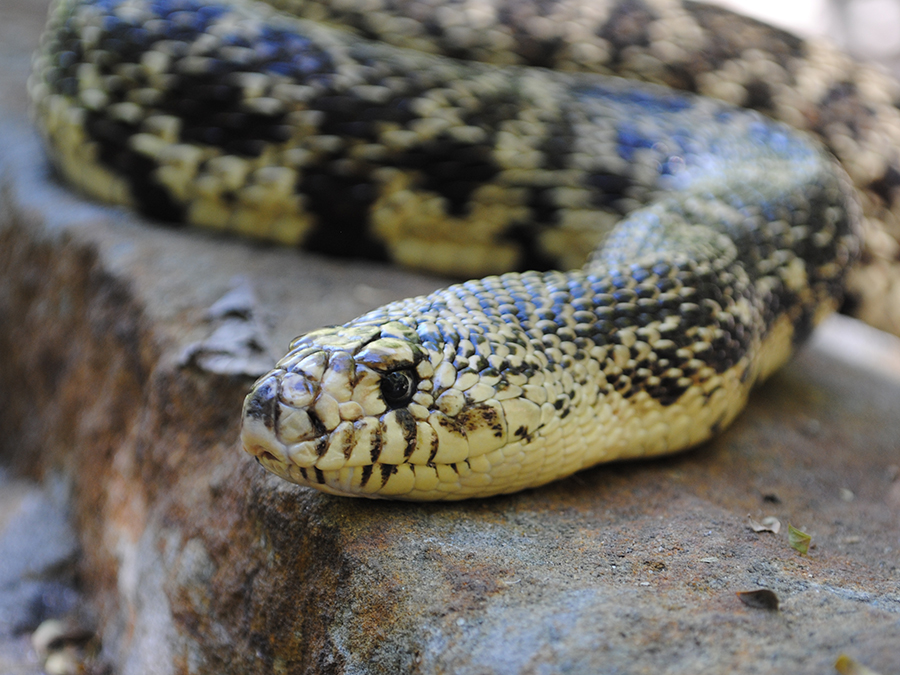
{"x":398,"y":388}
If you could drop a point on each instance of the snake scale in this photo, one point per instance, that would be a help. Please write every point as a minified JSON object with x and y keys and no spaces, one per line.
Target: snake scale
{"x":474,"y":137}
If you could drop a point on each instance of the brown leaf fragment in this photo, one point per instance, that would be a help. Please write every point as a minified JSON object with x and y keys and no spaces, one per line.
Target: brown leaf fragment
{"x":798,"y":540}
{"x":847,"y":666}
{"x":761,"y":598}
{"x":767,"y":524}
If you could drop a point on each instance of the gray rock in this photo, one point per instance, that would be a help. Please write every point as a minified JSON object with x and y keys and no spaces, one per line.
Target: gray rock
{"x":38,"y":552}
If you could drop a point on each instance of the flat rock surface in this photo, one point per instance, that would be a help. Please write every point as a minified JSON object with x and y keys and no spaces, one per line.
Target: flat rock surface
{"x":116,"y":373}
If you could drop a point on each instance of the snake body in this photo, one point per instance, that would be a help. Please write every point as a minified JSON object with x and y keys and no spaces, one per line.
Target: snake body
{"x":717,"y":238}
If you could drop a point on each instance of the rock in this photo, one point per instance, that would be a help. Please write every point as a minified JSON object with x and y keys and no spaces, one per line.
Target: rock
{"x":38,"y":554}
{"x":38,"y":550}
{"x":197,"y":561}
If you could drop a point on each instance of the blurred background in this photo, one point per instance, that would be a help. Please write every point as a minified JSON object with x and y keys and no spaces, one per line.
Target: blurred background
{"x":868,"y":29}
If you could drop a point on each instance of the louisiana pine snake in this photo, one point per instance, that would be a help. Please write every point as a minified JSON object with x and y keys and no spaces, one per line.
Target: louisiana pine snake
{"x":726,"y":237}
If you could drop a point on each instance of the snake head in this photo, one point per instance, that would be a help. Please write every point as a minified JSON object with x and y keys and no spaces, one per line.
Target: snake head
{"x":361,"y":410}
{"x":379,"y":411}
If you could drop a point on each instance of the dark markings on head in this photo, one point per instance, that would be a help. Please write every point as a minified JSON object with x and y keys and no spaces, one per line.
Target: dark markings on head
{"x":377,"y":444}
{"x":435,"y":446}
{"x":366,"y":474}
{"x":387,"y":470}
{"x":321,"y":446}
{"x":263,"y":404}
{"x":410,"y":431}
{"x":318,"y":425}
{"x":346,"y":440}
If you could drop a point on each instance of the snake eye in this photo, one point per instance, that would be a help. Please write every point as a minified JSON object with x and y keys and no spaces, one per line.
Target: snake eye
{"x":398,"y":388}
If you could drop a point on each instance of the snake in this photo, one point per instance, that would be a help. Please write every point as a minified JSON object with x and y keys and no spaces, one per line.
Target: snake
{"x":641,"y":257}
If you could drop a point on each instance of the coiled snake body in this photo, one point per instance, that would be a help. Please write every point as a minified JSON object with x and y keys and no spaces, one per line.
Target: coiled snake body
{"x":719,"y":237}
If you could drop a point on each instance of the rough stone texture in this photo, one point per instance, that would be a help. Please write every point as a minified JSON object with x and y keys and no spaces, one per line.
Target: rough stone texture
{"x":38,"y":550}
{"x":199,"y":562}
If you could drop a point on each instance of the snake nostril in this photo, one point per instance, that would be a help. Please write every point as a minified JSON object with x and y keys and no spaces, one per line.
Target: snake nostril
{"x":267,"y":456}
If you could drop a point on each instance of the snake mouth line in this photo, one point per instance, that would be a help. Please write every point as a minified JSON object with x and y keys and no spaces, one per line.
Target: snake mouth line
{"x":372,"y":477}
{"x":262,"y":438}
{"x":264,"y":456}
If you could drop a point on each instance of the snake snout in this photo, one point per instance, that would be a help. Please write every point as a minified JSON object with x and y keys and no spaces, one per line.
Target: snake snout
{"x":260,"y":420}
{"x":261,"y":403}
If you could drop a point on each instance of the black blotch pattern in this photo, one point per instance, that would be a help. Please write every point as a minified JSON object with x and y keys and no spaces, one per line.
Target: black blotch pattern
{"x":557,"y":146}
{"x":349,"y":116}
{"x":151,"y":198}
{"x":451,"y":169}
{"x":627,"y":26}
{"x":208,"y":99}
{"x":212,"y":115}
{"x":608,"y":187}
{"x":678,"y":76}
{"x":542,"y":207}
{"x":759,"y":95}
{"x":342,"y":205}
{"x":843,"y":105}
{"x":886,"y":186}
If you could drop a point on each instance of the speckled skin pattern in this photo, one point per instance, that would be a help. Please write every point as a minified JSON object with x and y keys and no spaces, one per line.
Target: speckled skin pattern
{"x":725,"y":236}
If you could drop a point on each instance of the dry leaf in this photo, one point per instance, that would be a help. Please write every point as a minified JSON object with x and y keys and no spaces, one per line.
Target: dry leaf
{"x":798,"y":540}
{"x":767,"y":524}
{"x":847,"y":666}
{"x":762,"y":598}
